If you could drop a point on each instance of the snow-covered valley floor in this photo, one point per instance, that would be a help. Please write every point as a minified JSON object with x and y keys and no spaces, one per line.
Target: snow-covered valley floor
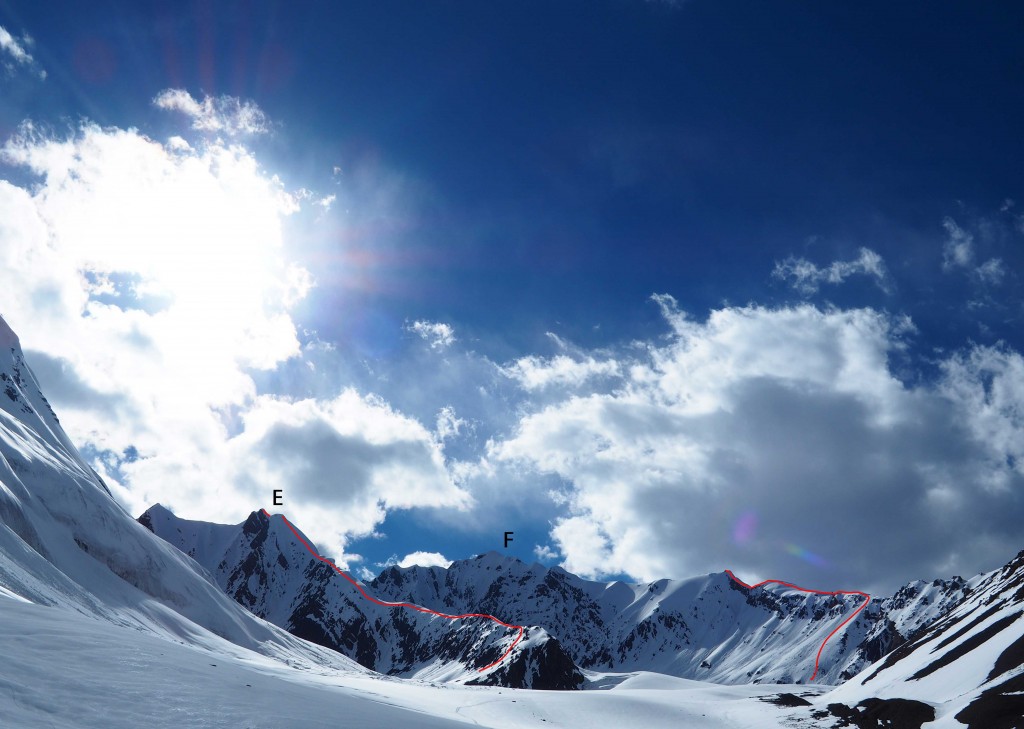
{"x":62,"y":669}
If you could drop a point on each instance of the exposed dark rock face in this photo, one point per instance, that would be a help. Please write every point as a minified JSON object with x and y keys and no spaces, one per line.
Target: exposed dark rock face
{"x":548,"y":668}
{"x":884,"y":714}
{"x":787,"y":699}
{"x":1000,"y":707}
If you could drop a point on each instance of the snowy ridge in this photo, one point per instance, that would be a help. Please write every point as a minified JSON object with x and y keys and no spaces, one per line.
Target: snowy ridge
{"x":708,"y":628}
{"x":264,"y":566}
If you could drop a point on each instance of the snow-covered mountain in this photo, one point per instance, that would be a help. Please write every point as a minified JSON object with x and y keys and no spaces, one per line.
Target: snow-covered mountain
{"x":969,"y":663}
{"x":709,"y":628}
{"x":262,"y":564}
{"x":65,"y":542}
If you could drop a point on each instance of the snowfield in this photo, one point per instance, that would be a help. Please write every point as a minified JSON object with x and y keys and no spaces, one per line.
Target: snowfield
{"x":64,"y":669}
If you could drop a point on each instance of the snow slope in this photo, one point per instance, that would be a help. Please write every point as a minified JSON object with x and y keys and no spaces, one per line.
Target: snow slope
{"x":64,"y":670}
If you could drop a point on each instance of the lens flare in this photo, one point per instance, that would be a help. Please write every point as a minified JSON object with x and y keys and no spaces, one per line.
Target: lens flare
{"x":745,"y":527}
{"x":806,"y":555}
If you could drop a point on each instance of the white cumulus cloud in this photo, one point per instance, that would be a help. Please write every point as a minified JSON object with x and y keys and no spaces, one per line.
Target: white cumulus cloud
{"x":424,"y":559}
{"x":791,"y":421}
{"x":342,"y":463}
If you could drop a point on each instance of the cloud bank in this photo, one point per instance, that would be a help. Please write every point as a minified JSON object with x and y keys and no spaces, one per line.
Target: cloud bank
{"x":154,"y":285}
{"x":768,"y":437}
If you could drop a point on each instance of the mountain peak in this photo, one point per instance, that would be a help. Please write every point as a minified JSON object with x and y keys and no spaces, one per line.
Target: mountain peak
{"x":8,"y":338}
{"x":155,"y":514}
{"x":159,"y":509}
{"x":490,"y":560}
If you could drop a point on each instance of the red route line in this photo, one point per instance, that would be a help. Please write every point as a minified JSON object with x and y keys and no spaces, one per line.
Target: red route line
{"x":409,"y":605}
{"x":817,"y":658}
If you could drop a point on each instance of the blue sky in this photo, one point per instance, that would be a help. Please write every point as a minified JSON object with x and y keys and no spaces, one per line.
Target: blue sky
{"x":655,"y":285}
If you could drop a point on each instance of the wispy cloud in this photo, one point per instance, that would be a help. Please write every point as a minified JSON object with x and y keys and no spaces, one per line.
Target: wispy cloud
{"x":807,"y":277}
{"x":449,"y":425}
{"x":536,"y":373}
{"x":958,"y":253}
{"x":991,"y":271}
{"x":222,"y":114}
{"x":958,"y":250}
{"x":437,"y":334}
{"x":17,"y":52}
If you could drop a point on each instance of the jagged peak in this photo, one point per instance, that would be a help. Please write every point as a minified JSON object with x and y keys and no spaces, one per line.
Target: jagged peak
{"x":255,"y":522}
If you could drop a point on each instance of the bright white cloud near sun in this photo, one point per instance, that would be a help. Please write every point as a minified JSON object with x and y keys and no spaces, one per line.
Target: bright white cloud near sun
{"x":224,"y":114}
{"x":154,"y":278}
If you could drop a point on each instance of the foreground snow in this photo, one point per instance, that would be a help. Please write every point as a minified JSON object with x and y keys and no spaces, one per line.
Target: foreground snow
{"x":64,"y":669}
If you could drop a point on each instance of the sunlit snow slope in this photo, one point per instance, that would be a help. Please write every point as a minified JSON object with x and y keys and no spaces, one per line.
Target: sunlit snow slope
{"x":65,"y":542}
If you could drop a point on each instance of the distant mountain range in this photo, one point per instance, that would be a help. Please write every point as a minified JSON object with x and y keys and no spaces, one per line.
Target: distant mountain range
{"x":264,"y":567}
{"x":709,"y":628}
